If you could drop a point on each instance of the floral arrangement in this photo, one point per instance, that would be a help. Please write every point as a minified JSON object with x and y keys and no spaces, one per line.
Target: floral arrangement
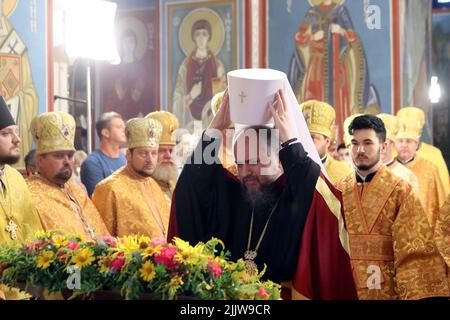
{"x":133,"y":266}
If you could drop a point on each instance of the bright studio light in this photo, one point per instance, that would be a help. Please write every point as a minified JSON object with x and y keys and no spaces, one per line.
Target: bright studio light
{"x":435,"y":90}
{"x":89,"y":29}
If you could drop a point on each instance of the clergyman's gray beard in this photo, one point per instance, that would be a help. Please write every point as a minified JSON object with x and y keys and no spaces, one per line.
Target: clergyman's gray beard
{"x":166,"y":174}
{"x":9,"y":159}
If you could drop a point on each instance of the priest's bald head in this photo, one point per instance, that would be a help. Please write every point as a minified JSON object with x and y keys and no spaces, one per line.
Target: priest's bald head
{"x":9,"y":136}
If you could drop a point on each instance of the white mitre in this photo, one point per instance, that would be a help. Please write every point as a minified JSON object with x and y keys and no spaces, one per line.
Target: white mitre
{"x":251,"y":89}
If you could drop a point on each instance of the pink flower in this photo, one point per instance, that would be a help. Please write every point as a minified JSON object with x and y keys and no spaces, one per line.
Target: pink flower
{"x":166,"y":257}
{"x":117,"y":264}
{"x":110,"y":241}
{"x":36,"y":244}
{"x":32,"y":246}
{"x":39,"y":243}
{"x":215,"y":268}
{"x":262,"y":293}
{"x":158,"y":242}
{"x":29,"y":248}
{"x":72,"y":245}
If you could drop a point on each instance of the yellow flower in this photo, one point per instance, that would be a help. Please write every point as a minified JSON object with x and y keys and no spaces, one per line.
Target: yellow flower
{"x":176,"y":281}
{"x":147,"y":271}
{"x":181,"y":244}
{"x":44,"y":260}
{"x":220,"y":261}
{"x":182,"y":256}
{"x":143,"y":242}
{"x":150,"y":251}
{"x":39,"y":234}
{"x":127,"y":244}
{"x":42,"y":234}
{"x":104,"y":264}
{"x":188,"y":254}
{"x":59,"y":240}
{"x":104,"y":267}
{"x":83,"y":258}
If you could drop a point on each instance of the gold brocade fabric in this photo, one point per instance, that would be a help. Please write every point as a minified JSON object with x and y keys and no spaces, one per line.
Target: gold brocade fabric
{"x":392,"y":252}
{"x":130,"y":204}
{"x":442,"y":234}
{"x":434,"y":155}
{"x":401,"y":171}
{"x":335,"y":207}
{"x":60,"y":207}
{"x":53,"y":132}
{"x":19,"y":205}
{"x":432,"y":194}
{"x":227,"y":160}
{"x":16,"y":203}
{"x":232,"y":168}
{"x":167,"y":189}
{"x":336,"y":170}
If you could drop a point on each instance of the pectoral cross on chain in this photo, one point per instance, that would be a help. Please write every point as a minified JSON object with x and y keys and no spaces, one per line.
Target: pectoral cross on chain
{"x":12,"y":228}
{"x":91,"y":231}
{"x":242,"y":95}
{"x":250,"y":265}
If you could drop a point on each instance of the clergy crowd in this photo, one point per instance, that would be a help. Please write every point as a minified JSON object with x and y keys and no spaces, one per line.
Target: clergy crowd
{"x":370,"y":220}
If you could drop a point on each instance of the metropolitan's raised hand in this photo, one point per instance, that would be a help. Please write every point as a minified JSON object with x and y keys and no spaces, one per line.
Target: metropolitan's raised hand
{"x":280,"y":114}
{"x":221,"y":120}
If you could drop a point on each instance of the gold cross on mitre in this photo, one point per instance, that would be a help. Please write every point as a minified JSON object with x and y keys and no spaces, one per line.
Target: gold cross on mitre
{"x":12,"y":228}
{"x":242,"y":95}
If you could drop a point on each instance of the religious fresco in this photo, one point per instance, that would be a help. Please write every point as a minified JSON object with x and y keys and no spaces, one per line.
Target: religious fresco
{"x":335,"y":51}
{"x":416,"y":71}
{"x":23,"y":63}
{"x":201,"y":47}
{"x":131,"y":87}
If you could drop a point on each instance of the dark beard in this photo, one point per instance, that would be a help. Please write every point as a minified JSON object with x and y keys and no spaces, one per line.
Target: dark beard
{"x":144,"y":174}
{"x":262,"y":199}
{"x":9,"y":159}
{"x":63,"y":175}
{"x":365,"y":167}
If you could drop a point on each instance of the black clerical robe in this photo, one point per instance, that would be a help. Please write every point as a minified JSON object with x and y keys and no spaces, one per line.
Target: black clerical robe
{"x":305,"y":242}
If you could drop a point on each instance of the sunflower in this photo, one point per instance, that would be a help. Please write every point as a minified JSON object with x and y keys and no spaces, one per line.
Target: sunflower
{"x":150,"y":251}
{"x":83,"y":258}
{"x":144,"y":242}
{"x":190,"y":255}
{"x":45,"y":259}
{"x":59,"y":240}
{"x":147,"y":271}
{"x":127,"y":244}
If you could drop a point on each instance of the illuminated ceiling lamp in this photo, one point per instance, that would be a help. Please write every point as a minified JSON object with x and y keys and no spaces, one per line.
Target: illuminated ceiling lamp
{"x":435,"y":90}
{"x":89,"y":34}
